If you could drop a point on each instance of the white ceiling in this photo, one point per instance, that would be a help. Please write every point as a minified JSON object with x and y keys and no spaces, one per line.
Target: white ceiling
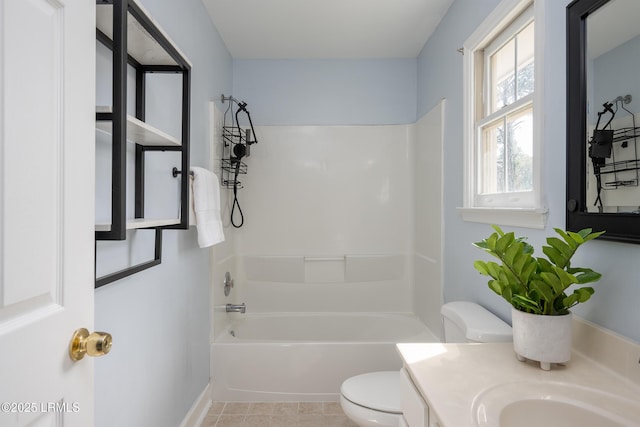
{"x":284,"y":29}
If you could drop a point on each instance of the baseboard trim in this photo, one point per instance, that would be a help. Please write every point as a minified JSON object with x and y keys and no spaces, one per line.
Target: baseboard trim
{"x":199,"y":410}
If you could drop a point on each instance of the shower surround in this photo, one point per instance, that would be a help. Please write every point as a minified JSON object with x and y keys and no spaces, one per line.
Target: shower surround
{"x":341,"y":235}
{"x":328,"y":220}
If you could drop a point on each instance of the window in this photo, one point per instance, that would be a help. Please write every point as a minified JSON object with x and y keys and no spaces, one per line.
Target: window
{"x":501,"y":150}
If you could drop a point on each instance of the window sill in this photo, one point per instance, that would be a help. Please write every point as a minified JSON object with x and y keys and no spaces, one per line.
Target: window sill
{"x":514,"y":217}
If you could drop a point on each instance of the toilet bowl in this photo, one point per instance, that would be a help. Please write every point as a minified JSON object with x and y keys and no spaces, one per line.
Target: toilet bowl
{"x":373,"y":399}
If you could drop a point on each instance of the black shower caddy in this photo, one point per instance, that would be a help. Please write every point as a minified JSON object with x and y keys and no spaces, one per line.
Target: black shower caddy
{"x":232,"y":136}
{"x":623,"y":136}
{"x":236,"y":145}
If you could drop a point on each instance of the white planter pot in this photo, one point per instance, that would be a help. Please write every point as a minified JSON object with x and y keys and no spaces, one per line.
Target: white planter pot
{"x":545,"y":339}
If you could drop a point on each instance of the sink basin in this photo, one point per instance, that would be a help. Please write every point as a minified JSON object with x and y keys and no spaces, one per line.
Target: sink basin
{"x":550,"y":404}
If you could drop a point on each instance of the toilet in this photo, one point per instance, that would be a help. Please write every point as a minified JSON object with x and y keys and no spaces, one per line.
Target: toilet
{"x":373,"y":399}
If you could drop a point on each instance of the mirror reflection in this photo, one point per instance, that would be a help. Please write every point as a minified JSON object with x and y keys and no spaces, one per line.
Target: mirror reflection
{"x":613,"y":108}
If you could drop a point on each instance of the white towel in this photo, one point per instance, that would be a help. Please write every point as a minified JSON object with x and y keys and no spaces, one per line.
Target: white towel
{"x":206,"y":206}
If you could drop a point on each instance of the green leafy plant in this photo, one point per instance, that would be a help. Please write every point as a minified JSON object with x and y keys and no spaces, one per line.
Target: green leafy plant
{"x":537,"y":285}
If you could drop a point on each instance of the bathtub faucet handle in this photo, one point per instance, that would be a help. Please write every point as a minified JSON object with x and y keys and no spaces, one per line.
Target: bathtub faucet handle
{"x":228,"y":283}
{"x":236,"y":308}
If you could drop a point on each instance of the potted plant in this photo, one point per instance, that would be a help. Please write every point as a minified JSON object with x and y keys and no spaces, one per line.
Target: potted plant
{"x":538,"y":290}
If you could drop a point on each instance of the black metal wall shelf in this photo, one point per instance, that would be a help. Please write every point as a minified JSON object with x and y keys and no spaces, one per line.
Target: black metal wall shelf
{"x":137,"y":41}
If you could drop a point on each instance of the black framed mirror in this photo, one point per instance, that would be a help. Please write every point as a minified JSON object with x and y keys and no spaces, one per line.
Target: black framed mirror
{"x":603,"y":115}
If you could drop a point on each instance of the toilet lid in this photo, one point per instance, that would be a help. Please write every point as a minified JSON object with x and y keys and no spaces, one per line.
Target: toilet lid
{"x":375,"y":390}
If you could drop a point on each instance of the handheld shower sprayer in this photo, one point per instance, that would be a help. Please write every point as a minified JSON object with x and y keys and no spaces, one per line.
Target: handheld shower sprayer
{"x":240,"y":148}
{"x":607,"y":107}
{"x":242,"y":106}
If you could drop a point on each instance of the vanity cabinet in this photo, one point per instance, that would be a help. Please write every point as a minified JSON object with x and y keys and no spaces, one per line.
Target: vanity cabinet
{"x":139,"y":48}
{"x":416,"y":412}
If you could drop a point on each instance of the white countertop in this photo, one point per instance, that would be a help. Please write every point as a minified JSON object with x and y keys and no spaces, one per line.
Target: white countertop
{"x":451,"y":376}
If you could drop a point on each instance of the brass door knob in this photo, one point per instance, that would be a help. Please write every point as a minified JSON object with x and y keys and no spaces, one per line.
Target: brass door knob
{"x":94,"y":344}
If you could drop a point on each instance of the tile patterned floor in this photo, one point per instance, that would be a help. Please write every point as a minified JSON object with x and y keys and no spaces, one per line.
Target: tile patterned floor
{"x":276,"y":414}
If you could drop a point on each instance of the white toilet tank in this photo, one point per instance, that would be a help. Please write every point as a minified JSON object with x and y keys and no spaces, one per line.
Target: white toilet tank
{"x":469,"y":322}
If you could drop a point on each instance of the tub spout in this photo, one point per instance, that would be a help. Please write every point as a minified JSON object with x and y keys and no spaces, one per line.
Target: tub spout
{"x":236,"y":308}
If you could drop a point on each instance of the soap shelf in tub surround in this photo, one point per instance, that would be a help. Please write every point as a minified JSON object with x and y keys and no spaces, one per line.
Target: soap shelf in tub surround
{"x":138,"y":43}
{"x":325,"y":268}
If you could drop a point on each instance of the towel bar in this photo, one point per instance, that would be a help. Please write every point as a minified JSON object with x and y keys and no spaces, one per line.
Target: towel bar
{"x":175,"y":172}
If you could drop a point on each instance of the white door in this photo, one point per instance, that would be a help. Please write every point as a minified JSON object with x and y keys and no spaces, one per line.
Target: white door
{"x":47,"y":120}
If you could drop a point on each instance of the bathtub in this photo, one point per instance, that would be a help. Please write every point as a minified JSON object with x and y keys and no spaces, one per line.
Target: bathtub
{"x":306,"y":356}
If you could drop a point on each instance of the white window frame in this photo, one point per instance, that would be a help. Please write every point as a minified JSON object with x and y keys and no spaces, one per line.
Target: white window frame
{"x":524,"y":212}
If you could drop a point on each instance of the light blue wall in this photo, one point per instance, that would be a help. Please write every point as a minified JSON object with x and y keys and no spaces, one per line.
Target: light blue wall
{"x":159,"y":318}
{"x":616,"y":74}
{"x":614,"y":304}
{"x":327,"y":92}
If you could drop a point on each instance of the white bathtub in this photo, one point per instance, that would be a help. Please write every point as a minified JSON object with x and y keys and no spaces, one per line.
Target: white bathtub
{"x":306,"y":356}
